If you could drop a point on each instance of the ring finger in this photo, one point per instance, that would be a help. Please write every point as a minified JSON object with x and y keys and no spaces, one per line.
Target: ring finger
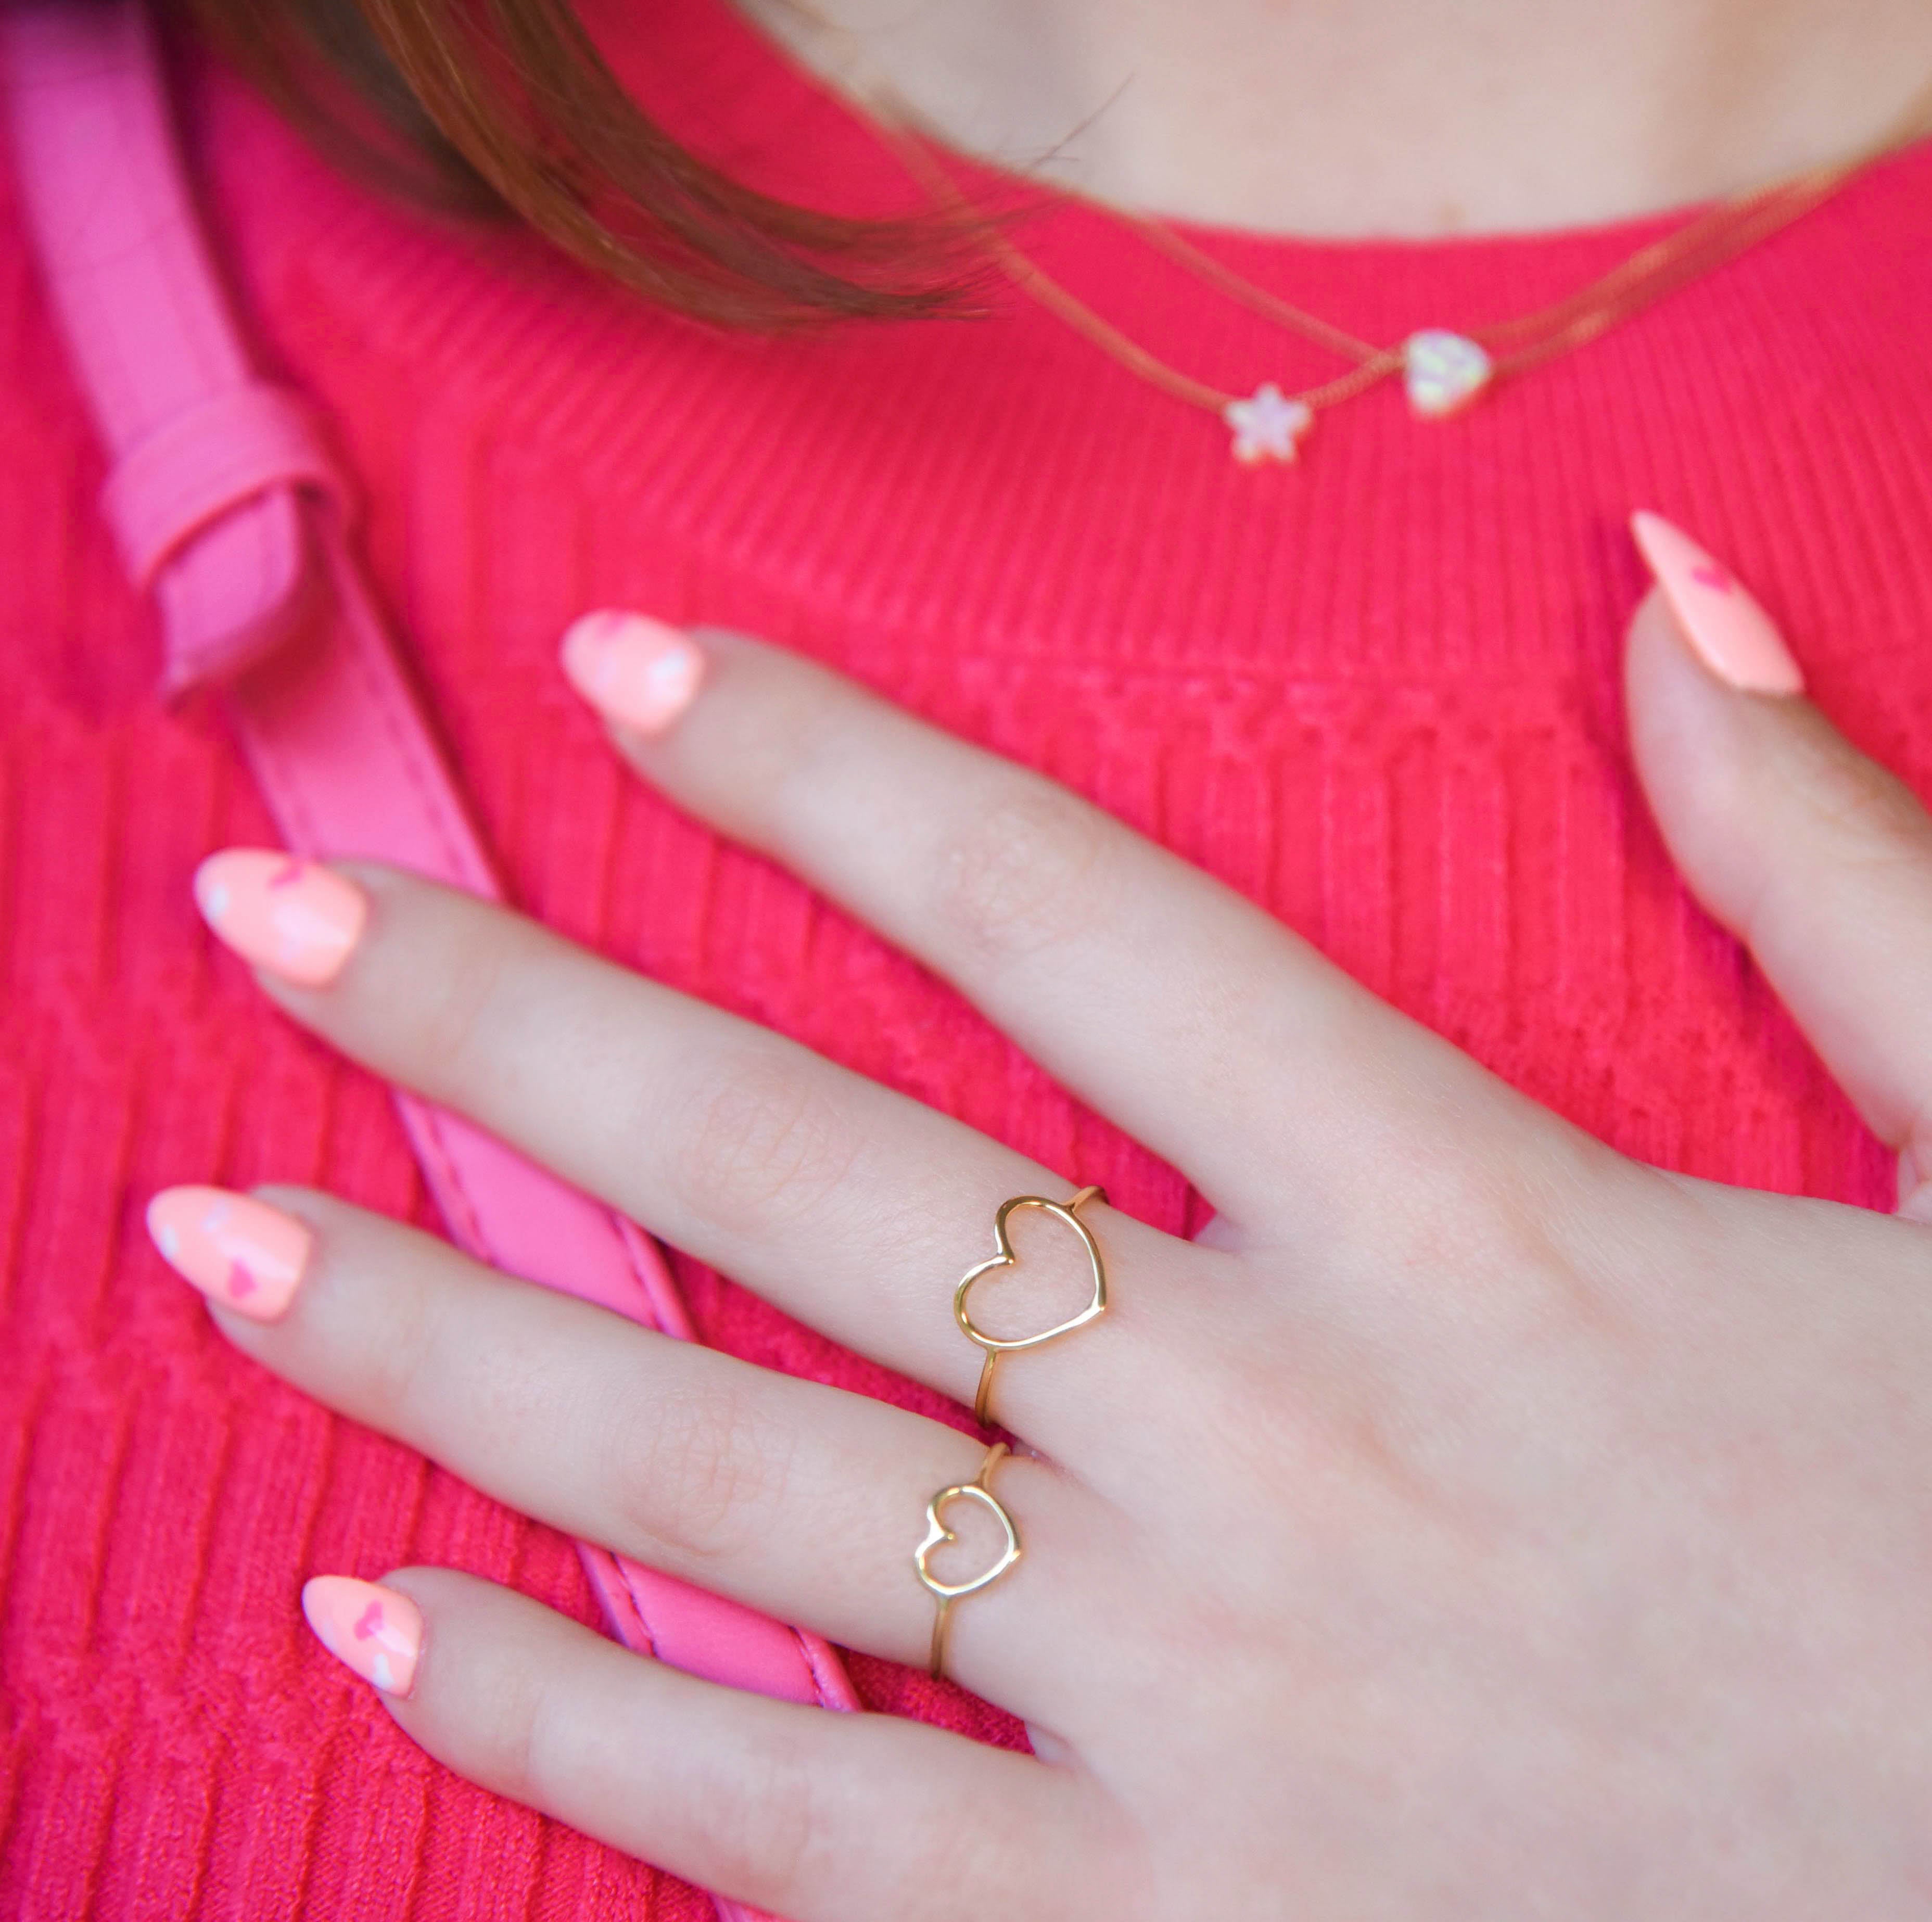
{"x":799,"y":1499}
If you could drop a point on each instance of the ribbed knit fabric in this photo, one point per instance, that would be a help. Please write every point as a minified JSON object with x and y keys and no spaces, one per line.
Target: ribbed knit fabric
{"x":1377,"y":694}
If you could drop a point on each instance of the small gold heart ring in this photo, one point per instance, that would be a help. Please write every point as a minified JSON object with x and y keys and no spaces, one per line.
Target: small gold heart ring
{"x":1002,"y":1257}
{"x":945,"y":1593}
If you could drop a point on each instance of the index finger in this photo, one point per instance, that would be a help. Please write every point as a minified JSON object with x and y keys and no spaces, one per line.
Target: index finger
{"x":1817,"y":858}
{"x":1205,"y":1028}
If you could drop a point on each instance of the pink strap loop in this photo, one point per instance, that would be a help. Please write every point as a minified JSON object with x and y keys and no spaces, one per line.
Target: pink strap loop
{"x":190,"y":471}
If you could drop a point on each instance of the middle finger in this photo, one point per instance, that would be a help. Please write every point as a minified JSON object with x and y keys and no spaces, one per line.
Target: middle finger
{"x":849,"y":1205}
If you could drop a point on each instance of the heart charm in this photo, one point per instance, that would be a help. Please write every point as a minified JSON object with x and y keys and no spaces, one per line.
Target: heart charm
{"x":947,"y":1593}
{"x":1004,"y":1258}
{"x":1443,"y":371}
{"x":937,"y":1532}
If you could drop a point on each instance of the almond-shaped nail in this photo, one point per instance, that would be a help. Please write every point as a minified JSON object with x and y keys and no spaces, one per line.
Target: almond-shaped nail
{"x":292,"y":917}
{"x":1732,"y":635}
{"x":374,"y":1630}
{"x":635,"y":671}
{"x":236,"y":1250}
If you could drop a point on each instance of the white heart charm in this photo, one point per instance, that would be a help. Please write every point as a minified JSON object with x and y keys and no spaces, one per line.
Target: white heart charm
{"x":1443,"y":371}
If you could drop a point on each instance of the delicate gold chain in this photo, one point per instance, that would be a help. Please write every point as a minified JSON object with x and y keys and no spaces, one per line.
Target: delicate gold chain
{"x":1035,"y":280}
{"x":1654,"y":270}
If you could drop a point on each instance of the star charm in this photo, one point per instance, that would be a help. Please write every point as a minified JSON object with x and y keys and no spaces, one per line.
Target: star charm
{"x":1267,"y":426}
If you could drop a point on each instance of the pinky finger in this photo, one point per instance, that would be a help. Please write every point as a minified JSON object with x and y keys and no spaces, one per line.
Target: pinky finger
{"x":818,"y":1816}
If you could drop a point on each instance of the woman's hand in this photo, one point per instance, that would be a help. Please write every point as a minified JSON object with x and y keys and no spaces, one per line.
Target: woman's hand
{"x":1471,"y":1522}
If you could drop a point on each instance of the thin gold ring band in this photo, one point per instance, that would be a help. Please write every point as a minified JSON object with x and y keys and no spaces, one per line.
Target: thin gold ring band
{"x":945,"y":1593}
{"x":1002,"y":1257}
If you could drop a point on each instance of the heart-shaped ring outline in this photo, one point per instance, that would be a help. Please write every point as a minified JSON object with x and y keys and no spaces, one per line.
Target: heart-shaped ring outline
{"x":1005,"y":1258}
{"x":937,"y":1532}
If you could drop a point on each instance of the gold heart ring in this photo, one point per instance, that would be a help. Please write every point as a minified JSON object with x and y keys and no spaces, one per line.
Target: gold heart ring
{"x":1002,"y":1257}
{"x":947,"y":1593}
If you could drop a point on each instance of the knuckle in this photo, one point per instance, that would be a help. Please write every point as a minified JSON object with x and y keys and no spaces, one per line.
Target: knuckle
{"x":767,"y":1828}
{"x":767,"y":1142}
{"x":1021,"y":873}
{"x":521,"y":1736}
{"x":456,"y":1026}
{"x":1518,"y":1237}
{"x":698,"y":1472}
{"x":985,"y":1870}
{"x":400,"y":1354}
{"x":1868,"y":816}
{"x":772,"y":734}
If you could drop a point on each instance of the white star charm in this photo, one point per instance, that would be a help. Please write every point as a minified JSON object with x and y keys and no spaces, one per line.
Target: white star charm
{"x":1267,"y":426}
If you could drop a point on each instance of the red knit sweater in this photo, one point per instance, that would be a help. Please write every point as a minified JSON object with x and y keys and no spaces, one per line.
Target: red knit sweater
{"x":1378,"y":693}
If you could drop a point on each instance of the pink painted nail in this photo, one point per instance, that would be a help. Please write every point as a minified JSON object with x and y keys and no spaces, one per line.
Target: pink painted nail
{"x":284,"y":914}
{"x":376,"y":1631}
{"x":236,"y":1250}
{"x":1732,"y":635}
{"x":636,"y":671}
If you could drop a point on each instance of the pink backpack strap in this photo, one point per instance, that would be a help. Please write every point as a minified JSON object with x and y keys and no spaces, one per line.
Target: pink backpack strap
{"x":226,"y":501}
{"x":223,"y":450}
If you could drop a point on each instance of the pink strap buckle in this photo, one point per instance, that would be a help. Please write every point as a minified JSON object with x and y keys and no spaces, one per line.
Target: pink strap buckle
{"x":212,"y":457}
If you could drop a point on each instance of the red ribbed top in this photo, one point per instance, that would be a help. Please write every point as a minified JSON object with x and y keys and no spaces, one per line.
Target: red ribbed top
{"x":1378,"y":693}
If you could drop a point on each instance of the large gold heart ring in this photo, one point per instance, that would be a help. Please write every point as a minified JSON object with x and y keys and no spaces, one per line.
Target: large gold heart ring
{"x":1002,"y":1257}
{"x":945,"y":1593}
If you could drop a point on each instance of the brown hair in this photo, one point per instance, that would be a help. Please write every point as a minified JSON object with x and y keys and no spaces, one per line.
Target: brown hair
{"x":505,"y":108}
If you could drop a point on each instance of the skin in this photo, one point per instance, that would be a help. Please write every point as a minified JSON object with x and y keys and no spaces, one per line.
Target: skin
{"x":1502,"y":1527}
{"x":1353,"y":117}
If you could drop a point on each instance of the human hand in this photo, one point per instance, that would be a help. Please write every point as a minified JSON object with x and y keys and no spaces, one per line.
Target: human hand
{"x":1472,"y":1522}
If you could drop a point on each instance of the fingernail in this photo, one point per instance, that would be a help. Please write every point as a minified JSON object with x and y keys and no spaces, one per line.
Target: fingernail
{"x":636,"y":671}
{"x":1732,"y":635}
{"x":290,"y":916}
{"x":373,"y":1630}
{"x":236,"y":1250}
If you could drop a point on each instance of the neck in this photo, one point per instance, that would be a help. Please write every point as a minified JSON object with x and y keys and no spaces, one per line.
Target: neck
{"x":1407,"y":117}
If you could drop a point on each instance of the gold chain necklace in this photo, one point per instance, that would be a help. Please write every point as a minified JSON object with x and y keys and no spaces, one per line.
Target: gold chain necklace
{"x":1442,"y":370}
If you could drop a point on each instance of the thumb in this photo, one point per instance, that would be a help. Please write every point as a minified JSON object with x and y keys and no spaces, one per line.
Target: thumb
{"x":1814,"y":856}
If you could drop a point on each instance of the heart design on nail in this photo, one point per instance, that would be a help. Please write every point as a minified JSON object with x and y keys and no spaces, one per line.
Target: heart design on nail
{"x":241,"y":1283}
{"x":1708,"y":573}
{"x":371,"y":1622}
{"x":936,"y":1533}
{"x":1005,"y":1258}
